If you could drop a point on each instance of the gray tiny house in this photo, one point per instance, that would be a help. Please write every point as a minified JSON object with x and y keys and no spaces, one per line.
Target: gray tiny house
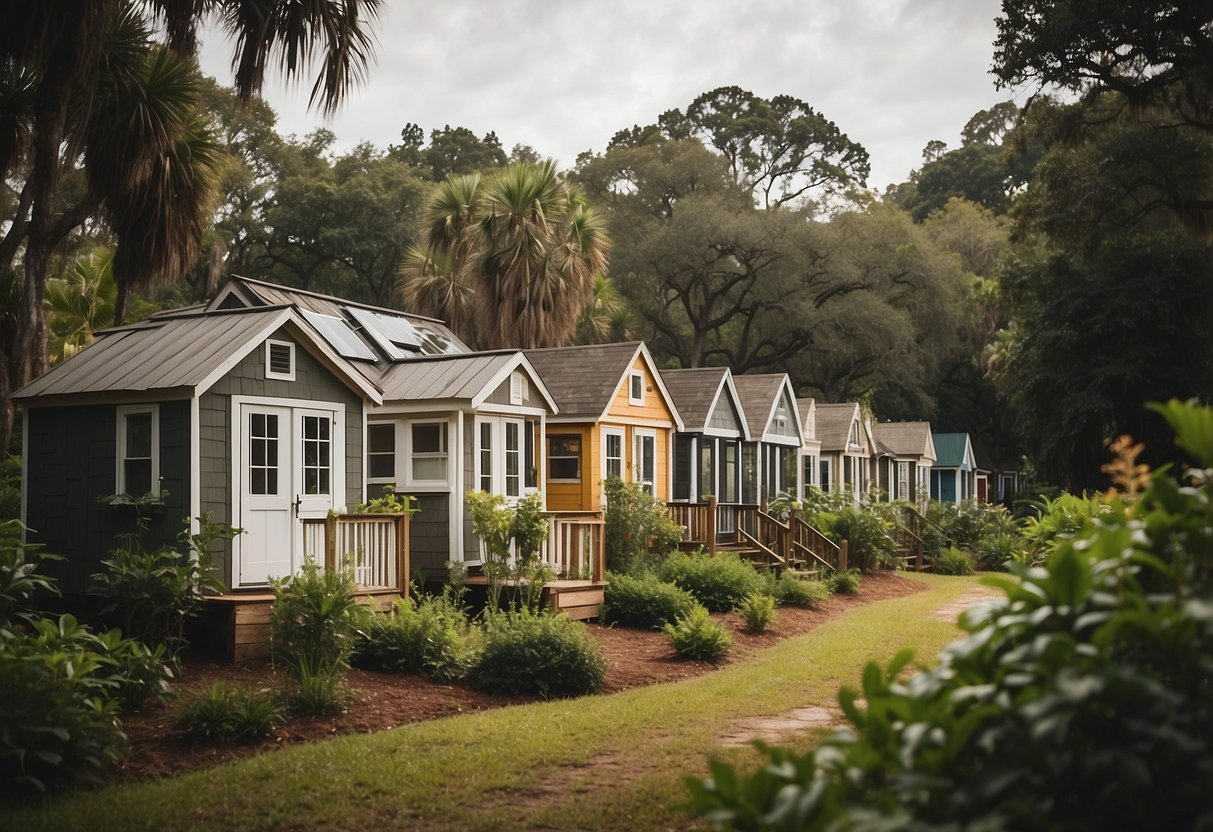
{"x":246,"y":415}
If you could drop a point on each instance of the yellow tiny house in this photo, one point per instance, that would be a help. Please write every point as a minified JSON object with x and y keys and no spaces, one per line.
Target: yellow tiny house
{"x":616,"y":419}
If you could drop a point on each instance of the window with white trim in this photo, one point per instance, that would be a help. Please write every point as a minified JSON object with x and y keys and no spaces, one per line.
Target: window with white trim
{"x":853,"y":440}
{"x":428,"y":451}
{"x":280,"y":360}
{"x":636,"y":387}
{"x":138,"y":450}
{"x":486,"y":456}
{"x":381,"y":451}
{"x":516,"y":387}
{"x":564,"y":458}
{"x":317,"y":460}
{"x":513,"y":459}
{"x":504,"y":456}
{"x":614,"y":454}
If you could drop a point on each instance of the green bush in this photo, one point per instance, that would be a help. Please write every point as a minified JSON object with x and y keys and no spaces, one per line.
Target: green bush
{"x":638,"y":525}
{"x":224,"y":713}
{"x":1082,"y":702}
{"x":426,"y":634}
{"x":313,"y":623}
{"x":996,"y":550}
{"x":537,"y":653}
{"x":697,"y":636}
{"x":151,"y":595}
{"x":19,"y":578}
{"x":719,"y":582}
{"x":869,"y":544}
{"x":644,"y":601}
{"x":758,"y":611}
{"x":794,"y":591}
{"x":58,"y":712}
{"x":953,"y":561}
{"x":845,"y":582}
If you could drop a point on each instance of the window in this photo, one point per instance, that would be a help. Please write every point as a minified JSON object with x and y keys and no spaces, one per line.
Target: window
{"x":280,"y":360}
{"x":903,"y":481}
{"x":263,"y":437}
{"x":809,"y":465}
{"x":853,"y":440}
{"x":707,"y":467}
{"x":728,"y":473}
{"x":429,"y":451}
{"x":781,"y":418}
{"x":516,"y":387}
{"x":381,"y":451}
{"x":513,"y":459}
{"x":636,"y":387}
{"x":138,"y":451}
{"x":749,"y":473}
{"x":823,"y":479}
{"x":645,"y":458}
{"x":317,"y":454}
{"x":564,"y":458}
{"x":684,"y":450}
{"x":614,"y":454}
{"x":529,"y":468}
{"x":486,"y":456}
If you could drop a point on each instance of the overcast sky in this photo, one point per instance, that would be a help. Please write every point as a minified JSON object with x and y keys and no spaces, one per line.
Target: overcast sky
{"x":564,"y":75}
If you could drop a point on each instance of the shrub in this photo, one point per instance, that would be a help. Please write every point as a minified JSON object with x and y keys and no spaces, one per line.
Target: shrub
{"x":845,"y":582}
{"x":424,"y":635}
{"x":151,"y":595}
{"x":1081,"y":703}
{"x":637,"y":524}
{"x":223,"y":713}
{"x":996,"y":550}
{"x":644,"y":601}
{"x":538,"y":653}
{"x":697,"y":636}
{"x":19,"y":578}
{"x":795,"y":591}
{"x":719,"y":582}
{"x":954,"y":562}
{"x":58,"y":715}
{"x":313,"y":623}
{"x":758,"y":610}
{"x":869,"y":545}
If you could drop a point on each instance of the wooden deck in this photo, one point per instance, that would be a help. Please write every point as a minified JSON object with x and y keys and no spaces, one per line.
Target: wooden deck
{"x":580,"y":599}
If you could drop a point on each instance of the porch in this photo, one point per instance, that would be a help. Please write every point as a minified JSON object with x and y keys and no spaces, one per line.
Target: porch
{"x":375,"y":547}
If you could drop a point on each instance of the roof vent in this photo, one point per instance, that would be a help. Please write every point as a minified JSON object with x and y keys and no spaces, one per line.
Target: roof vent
{"x":280,"y":360}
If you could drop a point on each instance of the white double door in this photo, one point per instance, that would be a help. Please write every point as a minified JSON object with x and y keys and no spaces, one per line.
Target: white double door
{"x":290,"y":463}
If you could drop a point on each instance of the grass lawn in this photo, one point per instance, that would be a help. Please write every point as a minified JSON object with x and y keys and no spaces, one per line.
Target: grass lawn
{"x":610,"y":762}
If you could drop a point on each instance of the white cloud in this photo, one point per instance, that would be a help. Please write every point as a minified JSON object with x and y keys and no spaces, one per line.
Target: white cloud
{"x":564,"y":76}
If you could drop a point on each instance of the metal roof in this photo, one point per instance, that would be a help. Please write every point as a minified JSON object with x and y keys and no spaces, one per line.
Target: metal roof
{"x":951,"y":450}
{"x":468,"y":377}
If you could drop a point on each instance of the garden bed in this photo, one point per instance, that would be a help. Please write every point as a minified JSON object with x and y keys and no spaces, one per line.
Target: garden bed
{"x":381,"y":701}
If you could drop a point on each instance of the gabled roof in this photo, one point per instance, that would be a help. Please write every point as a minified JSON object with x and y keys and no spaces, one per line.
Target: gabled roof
{"x":471,"y":378}
{"x":183,"y":354}
{"x":952,"y":450}
{"x":808,"y":417}
{"x":583,"y":380}
{"x":834,"y":424}
{"x":905,"y":439}
{"x":698,"y":391}
{"x":761,"y":394}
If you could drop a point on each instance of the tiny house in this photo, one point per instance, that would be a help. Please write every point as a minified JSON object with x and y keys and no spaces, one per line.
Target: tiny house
{"x":771,"y":459}
{"x":905,"y":453}
{"x":846,"y":449}
{"x":954,"y":472}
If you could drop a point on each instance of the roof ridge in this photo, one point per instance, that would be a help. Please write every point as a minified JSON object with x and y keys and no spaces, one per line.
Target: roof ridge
{"x":334,"y":298}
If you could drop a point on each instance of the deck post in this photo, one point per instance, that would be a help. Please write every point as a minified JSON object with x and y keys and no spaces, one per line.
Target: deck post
{"x":402,"y":554}
{"x":330,"y":542}
{"x":710,"y":525}
{"x":599,"y":568}
{"x":842,"y":555}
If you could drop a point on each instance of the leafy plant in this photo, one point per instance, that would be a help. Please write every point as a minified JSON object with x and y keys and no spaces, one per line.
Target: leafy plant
{"x":224,"y":713}
{"x":954,"y":561}
{"x":869,"y":545}
{"x":758,"y":611}
{"x":995,"y":550}
{"x":426,"y":634}
{"x":794,"y":591}
{"x":719,"y":582}
{"x":313,"y":623}
{"x":843,"y":582}
{"x":697,"y":636}
{"x":637,"y":526}
{"x":19,"y":578}
{"x":529,"y":653}
{"x":644,"y":601}
{"x":389,"y":502}
{"x":152,"y":594}
{"x":1081,"y":702}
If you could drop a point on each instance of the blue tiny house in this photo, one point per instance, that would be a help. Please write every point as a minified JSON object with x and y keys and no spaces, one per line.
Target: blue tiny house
{"x":954,"y":472}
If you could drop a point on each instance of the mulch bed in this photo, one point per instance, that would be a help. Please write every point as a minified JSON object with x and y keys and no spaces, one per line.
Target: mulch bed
{"x":381,"y":701}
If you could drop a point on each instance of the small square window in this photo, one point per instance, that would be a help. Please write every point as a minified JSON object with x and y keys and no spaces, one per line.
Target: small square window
{"x":636,"y":387}
{"x":564,"y":457}
{"x":280,"y":360}
{"x":429,"y":451}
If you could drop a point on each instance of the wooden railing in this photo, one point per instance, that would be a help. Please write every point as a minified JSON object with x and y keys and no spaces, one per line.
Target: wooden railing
{"x":576,"y":545}
{"x":910,"y":547}
{"x":815,"y":548}
{"x":698,"y":521}
{"x":374,"y":546}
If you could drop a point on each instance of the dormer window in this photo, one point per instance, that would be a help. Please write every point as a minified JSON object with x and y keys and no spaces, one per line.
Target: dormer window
{"x":636,"y":387}
{"x":280,"y":360}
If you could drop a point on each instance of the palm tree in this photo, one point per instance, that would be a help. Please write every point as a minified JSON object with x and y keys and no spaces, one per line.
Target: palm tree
{"x":63,"y":63}
{"x":528,"y":243}
{"x":79,"y":303}
{"x":605,"y":317}
{"x":430,"y":285}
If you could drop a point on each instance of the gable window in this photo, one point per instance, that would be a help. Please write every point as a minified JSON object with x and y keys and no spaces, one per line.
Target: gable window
{"x":138,"y":450}
{"x":636,"y":387}
{"x":381,"y":451}
{"x":516,"y":386}
{"x":853,"y":441}
{"x":564,"y":458}
{"x":429,"y":451}
{"x":781,"y":419}
{"x":280,"y":360}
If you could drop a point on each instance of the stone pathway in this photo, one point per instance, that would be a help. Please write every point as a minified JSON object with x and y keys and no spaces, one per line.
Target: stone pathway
{"x":773,"y":729}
